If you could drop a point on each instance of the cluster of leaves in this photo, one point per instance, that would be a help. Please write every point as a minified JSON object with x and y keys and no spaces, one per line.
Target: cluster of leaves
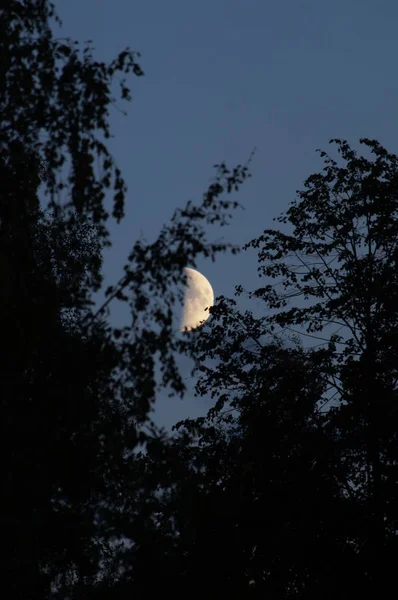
{"x":55,"y":99}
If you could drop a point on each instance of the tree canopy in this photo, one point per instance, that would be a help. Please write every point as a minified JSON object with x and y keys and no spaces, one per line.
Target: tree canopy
{"x":288,"y":487}
{"x":76,"y":391}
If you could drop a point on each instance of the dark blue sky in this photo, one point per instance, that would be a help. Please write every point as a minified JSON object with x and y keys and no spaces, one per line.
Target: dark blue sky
{"x":223,"y":76}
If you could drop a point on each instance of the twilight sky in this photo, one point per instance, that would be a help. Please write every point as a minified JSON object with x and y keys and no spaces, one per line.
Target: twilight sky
{"x":223,"y":77}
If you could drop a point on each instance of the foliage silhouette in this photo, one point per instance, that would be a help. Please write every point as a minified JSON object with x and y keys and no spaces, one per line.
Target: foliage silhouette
{"x":288,"y":487}
{"x":76,"y":391}
{"x":344,"y":245}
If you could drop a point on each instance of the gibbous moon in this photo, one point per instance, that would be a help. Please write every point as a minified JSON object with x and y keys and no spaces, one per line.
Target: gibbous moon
{"x":198,"y":296}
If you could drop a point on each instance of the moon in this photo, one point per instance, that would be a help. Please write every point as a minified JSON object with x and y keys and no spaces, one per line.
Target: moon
{"x":198,"y":296}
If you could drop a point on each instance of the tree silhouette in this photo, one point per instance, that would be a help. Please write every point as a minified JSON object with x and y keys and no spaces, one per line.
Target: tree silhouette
{"x":345,"y":253}
{"x":76,"y":391}
{"x":288,"y":486}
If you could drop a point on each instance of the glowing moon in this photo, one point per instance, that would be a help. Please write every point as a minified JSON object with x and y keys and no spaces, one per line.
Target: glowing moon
{"x":198,"y":296}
